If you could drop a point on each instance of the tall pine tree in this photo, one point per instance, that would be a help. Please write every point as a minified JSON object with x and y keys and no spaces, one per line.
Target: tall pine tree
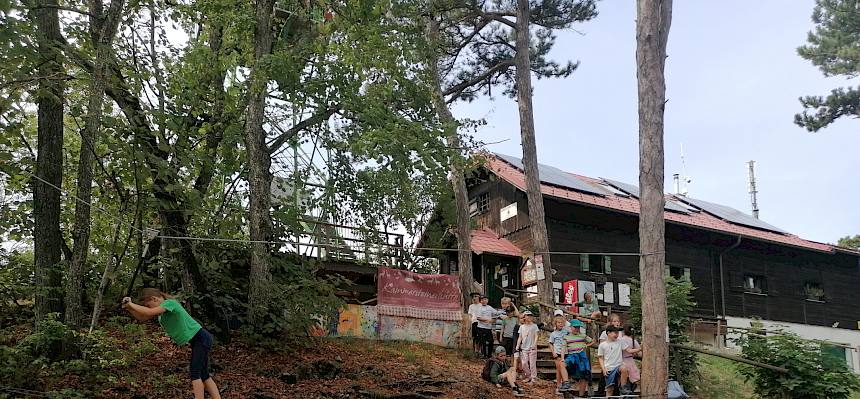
{"x":834,"y":47}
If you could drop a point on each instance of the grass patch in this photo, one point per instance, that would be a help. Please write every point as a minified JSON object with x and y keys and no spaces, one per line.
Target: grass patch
{"x":721,"y":380}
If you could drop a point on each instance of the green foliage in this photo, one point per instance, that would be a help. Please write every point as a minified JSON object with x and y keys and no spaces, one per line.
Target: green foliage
{"x":683,"y":365}
{"x":850,"y":242}
{"x":834,"y":47}
{"x":812,"y":373}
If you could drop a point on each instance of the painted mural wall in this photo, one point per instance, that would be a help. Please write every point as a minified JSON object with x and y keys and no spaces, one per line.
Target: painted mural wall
{"x":363,"y":322}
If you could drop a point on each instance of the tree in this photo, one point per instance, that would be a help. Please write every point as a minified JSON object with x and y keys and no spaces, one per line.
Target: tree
{"x":850,"y":242}
{"x":812,"y":371}
{"x":259,"y":162}
{"x":103,"y":27}
{"x":482,"y":45}
{"x":458,"y":178}
{"x":834,"y":47}
{"x":47,"y":239}
{"x":652,"y":33}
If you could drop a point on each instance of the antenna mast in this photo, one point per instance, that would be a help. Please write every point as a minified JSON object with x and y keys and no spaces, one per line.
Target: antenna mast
{"x":753,"y":190}
{"x":685,"y":180}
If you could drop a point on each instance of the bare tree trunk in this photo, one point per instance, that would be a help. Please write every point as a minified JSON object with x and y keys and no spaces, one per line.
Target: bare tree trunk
{"x":102,"y":27}
{"x":458,"y":179}
{"x":47,"y":240}
{"x":114,"y":260}
{"x":652,"y":32}
{"x":259,"y":163}
{"x":537,"y":216}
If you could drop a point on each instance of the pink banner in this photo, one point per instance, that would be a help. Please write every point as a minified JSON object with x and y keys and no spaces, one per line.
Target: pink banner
{"x":424,"y":296}
{"x":569,"y":289}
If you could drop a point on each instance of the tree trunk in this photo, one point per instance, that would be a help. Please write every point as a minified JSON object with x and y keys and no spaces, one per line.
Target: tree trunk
{"x":652,"y":32}
{"x":103,"y":28}
{"x":458,"y":179}
{"x":115,"y":259}
{"x":537,"y":216}
{"x":259,"y":163}
{"x":47,"y":240}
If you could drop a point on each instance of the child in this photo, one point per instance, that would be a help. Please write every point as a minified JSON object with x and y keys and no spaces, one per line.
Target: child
{"x":576,"y":361}
{"x":609,"y":353}
{"x":510,"y":322}
{"x":629,"y":362}
{"x":557,"y":343}
{"x":614,"y":320}
{"x":527,"y":346}
{"x":497,"y":370}
{"x":474,"y":308}
{"x":486,"y":320}
{"x":182,"y":329}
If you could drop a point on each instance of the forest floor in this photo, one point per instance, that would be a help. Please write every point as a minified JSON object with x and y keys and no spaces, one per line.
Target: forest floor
{"x":146,"y":364}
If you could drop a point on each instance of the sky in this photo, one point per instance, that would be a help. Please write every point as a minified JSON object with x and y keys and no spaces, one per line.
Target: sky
{"x":733,"y":80}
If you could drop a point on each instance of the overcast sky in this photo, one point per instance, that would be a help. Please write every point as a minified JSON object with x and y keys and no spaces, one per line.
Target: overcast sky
{"x":733,"y":79}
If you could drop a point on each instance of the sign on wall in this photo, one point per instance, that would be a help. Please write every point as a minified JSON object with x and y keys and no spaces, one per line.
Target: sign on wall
{"x":539,"y":273}
{"x":623,"y":294}
{"x":424,"y":296}
{"x":528,"y":275}
{"x":508,"y":212}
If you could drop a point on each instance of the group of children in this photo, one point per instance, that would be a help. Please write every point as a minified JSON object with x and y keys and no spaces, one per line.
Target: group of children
{"x":615,"y":351}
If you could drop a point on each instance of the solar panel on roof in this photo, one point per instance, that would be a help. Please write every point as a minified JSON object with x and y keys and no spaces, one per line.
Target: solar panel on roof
{"x":731,"y":214}
{"x":634,"y":191}
{"x":557,"y":177}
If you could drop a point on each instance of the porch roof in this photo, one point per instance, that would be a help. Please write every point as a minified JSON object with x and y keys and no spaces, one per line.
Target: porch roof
{"x":484,"y":240}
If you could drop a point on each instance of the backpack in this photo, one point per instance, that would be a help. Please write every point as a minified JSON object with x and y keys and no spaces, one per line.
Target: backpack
{"x":485,"y":373}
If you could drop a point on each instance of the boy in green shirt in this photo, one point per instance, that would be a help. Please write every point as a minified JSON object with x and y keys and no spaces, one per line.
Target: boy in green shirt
{"x":182,"y":329}
{"x":497,"y":370}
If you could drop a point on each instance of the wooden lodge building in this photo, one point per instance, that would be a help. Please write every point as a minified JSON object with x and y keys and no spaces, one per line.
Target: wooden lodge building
{"x":741,"y":267}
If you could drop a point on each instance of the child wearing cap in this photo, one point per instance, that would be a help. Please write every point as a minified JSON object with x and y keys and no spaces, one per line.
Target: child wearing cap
{"x":610,"y":355}
{"x":576,"y":360}
{"x":527,"y":346}
{"x":486,"y":321}
{"x":497,"y":370}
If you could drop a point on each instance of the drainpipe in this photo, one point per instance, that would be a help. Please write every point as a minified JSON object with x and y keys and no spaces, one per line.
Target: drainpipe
{"x":723,"y":279}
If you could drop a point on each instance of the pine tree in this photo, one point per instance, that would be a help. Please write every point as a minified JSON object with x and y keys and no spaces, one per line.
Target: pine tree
{"x":834,"y":47}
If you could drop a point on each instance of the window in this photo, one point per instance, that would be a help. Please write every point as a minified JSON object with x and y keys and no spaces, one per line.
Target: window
{"x":595,"y":263}
{"x":479,"y":204}
{"x":813,"y":292}
{"x":478,"y":272}
{"x":678,"y":272}
{"x":755,"y":284}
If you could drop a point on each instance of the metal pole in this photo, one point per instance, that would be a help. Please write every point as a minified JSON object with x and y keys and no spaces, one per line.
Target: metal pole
{"x":753,"y":190}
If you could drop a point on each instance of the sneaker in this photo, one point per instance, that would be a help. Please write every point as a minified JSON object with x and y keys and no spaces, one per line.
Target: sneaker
{"x":626,"y":391}
{"x":565,"y":386}
{"x":517,"y":391}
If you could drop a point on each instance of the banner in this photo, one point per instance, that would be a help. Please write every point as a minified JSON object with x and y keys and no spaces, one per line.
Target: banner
{"x":424,"y":296}
{"x":569,"y":289}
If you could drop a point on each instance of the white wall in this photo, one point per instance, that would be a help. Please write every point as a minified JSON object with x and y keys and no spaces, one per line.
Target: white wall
{"x":835,"y":335}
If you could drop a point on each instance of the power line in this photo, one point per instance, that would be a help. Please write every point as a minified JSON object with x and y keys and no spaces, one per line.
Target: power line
{"x":148,"y":231}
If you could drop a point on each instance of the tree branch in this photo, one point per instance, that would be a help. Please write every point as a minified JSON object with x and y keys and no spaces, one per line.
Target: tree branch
{"x":63,"y":8}
{"x":293,"y":131}
{"x":500,"y":17}
{"x":458,"y":88}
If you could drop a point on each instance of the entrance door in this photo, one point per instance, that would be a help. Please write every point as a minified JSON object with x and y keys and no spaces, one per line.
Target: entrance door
{"x":500,"y":273}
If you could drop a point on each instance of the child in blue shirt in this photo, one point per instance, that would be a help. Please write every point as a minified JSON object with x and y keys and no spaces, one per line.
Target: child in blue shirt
{"x":558,"y":343}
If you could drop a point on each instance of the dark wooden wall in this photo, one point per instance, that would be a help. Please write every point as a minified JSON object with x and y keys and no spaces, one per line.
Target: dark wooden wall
{"x":580,"y":228}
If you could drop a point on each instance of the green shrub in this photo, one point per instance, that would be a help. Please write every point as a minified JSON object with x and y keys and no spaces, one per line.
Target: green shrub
{"x":812,"y":373}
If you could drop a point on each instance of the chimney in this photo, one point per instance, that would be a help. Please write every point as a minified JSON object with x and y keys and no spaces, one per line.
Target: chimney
{"x":677,"y":180}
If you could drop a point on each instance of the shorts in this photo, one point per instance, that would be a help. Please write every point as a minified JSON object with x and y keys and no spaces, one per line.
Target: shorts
{"x":201,"y":345}
{"x":578,"y":366}
{"x":613,"y":377}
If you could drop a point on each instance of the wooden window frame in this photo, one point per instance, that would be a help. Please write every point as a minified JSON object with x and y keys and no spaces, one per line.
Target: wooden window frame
{"x":761,"y":290}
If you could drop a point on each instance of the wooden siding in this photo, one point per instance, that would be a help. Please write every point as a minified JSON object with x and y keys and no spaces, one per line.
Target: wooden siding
{"x":580,"y":228}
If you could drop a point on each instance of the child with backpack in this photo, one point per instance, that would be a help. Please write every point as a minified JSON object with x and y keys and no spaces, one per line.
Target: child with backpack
{"x":497,"y":370}
{"x":182,"y":329}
